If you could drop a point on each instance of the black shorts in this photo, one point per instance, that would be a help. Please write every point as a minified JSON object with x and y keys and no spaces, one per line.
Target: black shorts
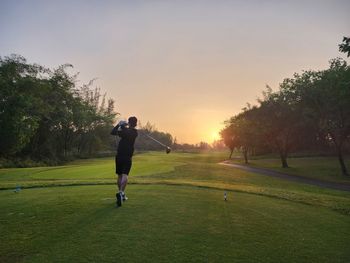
{"x":122,"y":165}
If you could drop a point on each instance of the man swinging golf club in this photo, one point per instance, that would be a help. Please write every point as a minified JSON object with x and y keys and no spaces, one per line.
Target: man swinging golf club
{"x":127,"y":133}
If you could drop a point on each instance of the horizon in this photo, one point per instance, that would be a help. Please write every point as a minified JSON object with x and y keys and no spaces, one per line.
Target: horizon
{"x":185,"y":67}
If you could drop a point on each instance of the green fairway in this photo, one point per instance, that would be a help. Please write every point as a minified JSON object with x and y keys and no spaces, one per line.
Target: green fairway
{"x":175,"y":213}
{"x":322,"y":168}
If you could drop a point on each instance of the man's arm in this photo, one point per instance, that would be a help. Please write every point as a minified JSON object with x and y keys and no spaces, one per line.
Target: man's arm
{"x":122,"y":131}
{"x":119,"y":127}
{"x":115,"y":130}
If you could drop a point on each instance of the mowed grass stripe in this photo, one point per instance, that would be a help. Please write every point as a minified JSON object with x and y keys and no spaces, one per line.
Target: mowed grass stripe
{"x":166,"y":224}
{"x":199,"y":170}
{"x":320,"y":168}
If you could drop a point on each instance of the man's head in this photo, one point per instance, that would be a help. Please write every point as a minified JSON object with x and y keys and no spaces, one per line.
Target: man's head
{"x":132,"y":122}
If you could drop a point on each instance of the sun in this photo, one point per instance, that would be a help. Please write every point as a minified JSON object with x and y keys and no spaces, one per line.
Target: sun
{"x":215,"y":136}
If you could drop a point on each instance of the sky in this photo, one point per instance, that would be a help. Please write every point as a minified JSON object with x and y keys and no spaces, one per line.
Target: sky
{"x":184,"y":66}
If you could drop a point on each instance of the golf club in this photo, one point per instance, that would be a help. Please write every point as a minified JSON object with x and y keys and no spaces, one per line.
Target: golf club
{"x":167,"y":148}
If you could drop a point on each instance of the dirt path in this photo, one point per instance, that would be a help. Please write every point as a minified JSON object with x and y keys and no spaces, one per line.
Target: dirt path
{"x":294,"y":178}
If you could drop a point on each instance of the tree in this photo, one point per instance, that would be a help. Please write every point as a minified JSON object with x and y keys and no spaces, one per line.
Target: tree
{"x":228,"y":137}
{"x":21,"y":103}
{"x":327,"y":98}
{"x":218,"y":145}
{"x":203,"y":146}
{"x":345,"y":46}
{"x":243,"y":130}
{"x":44,"y":116}
{"x":311,"y":109}
{"x":279,"y":121}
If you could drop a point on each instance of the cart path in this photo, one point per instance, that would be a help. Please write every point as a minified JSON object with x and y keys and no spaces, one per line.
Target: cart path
{"x":294,"y":178}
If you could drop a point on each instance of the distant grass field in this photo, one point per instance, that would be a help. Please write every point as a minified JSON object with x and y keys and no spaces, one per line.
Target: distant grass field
{"x":175,"y":213}
{"x":322,"y":168}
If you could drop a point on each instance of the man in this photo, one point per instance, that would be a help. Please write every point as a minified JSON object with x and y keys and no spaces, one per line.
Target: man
{"x":127,"y":133}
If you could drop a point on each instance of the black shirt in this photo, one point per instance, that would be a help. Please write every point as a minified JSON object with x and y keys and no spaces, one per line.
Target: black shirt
{"x":127,"y":141}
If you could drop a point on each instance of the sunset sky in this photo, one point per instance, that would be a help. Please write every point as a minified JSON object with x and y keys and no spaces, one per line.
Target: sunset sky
{"x":185,"y":66}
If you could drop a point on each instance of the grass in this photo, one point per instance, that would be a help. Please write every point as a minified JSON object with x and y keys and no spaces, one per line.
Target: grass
{"x":175,"y":213}
{"x":322,"y":168}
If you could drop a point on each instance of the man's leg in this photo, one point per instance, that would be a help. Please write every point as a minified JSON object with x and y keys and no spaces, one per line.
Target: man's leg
{"x":118,"y":194}
{"x":126,"y":170}
{"x":123,"y":186}
{"x":118,"y":170}
{"x":118,"y":173}
{"x":119,"y":182}
{"x":124,"y":182}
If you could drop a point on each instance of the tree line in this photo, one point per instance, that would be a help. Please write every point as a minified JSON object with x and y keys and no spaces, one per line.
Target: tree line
{"x":310,"y":112}
{"x":46,"y":117}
